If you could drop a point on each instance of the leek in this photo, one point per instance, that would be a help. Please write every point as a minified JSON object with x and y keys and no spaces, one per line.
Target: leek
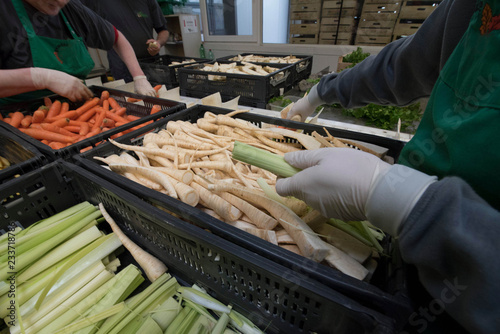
{"x":165,"y":313}
{"x":221,"y":324}
{"x":81,"y":260}
{"x":203,"y":299}
{"x":71,"y":304}
{"x":29,"y":256}
{"x":150,"y":326}
{"x":91,"y":320}
{"x":272,"y":162}
{"x":76,"y":305}
{"x":69,"y":247}
{"x":127,"y":281}
{"x":118,"y":320}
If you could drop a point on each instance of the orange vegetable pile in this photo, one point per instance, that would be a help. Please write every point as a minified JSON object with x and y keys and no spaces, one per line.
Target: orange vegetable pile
{"x":55,"y":125}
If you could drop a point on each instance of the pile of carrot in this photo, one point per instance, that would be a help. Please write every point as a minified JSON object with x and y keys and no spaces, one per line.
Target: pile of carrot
{"x":55,"y":125}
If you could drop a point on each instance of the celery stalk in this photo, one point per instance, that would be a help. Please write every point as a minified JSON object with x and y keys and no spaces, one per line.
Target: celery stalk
{"x":272,"y":162}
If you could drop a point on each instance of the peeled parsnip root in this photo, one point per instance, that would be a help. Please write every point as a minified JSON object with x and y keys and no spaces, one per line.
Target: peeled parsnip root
{"x":153,"y":268}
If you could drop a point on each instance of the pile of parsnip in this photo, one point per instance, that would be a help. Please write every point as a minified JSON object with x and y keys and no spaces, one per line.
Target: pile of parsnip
{"x":193,"y":162}
{"x":245,"y":68}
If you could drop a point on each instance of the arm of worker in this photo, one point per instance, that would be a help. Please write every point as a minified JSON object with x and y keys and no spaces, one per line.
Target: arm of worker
{"x":127,"y":54}
{"x":402,"y":72}
{"x":154,"y":45}
{"x":22,"y":80}
{"x":446,"y":230}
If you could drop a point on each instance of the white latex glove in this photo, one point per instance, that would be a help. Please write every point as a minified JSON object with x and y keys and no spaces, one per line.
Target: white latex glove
{"x":60,"y":83}
{"x":153,"y":47}
{"x":142,"y":86}
{"x":306,"y":105}
{"x":335,"y":181}
{"x":349,"y":184}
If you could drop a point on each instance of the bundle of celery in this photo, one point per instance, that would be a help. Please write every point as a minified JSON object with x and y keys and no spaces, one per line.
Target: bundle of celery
{"x":59,"y":275}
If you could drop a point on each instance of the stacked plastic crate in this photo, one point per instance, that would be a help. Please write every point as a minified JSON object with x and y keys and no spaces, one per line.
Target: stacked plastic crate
{"x":411,"y":17}
{"x":338,"y":22}
{"x":376,"y":23}
{"x":304,"y":21}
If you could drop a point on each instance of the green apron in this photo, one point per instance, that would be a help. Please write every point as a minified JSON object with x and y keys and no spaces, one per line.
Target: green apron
{"x":66,"y":55}
{"x":459,"y":134}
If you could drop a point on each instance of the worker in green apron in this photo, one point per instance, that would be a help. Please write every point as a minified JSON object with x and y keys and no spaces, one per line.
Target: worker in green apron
{"x":441,"y":200}
{"x":59,"y":64}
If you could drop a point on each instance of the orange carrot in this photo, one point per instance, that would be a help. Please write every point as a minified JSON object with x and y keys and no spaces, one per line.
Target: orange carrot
{"x":132,"y":117}
{"x":109,"y":123}
{"x":105,"y":105}
{"x":56,"y":145}
{"x":116,"y":118}
{"x":133,"y":100}
{"x":104,"y":96}
{"x":49,"y":135}
{"x":87,"y":106}
{"x":116,"y":135}
{"x":38,"y":116}
{"x":57,"y":129}
{"x":157,"y":88}
{"x":62,"y":122}
{"x":47,"y":102}
{"x":155,"y":108}
{"x":86,"y":116}
{"x":121,"y":111}
{"x":26,"y":121}
{"x":100,"y":118}
{"x":64,"y":107}
{"x":1,"y":117}
{"x":74,"y":129}
{"x":113,"y":104}
{"x":93,"y":133}
{"x":17,"y":117}
{"x":7,"y":120}
{"x":54,"y":109}
{"x":84,"y":129}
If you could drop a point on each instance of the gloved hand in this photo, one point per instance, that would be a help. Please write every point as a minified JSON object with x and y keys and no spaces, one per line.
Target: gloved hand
{"x":335,"y":181}
{"x":349,"y":184}
{"x":142,"y":86}
{"x":306,"y":105}
{"x":153,"y":47}
{"x":60,"y":83}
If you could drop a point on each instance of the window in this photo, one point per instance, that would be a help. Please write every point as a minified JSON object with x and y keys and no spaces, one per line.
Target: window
{"x":233,"y":20}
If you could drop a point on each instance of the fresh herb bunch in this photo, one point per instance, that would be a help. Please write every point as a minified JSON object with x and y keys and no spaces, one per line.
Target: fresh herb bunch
{"x":356,"y":56}
{"x":386,"y":117}
{"x":284,"y":102}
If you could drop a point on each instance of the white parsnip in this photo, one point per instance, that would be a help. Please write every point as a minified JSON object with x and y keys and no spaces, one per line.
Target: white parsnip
{"x":152,"y":267}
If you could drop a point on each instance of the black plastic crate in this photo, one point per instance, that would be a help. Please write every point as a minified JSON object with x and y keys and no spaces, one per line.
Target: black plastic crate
{"x":143,"y":111}
{"x":253,"y":90}
{"x":275,"y":298}
{"x":159,"y":70}
{"x":387,"y":290}
{"x":301,"y":69}
{"x":23,"y":156}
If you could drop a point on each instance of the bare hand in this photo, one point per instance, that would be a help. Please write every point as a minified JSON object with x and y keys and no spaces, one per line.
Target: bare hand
{"x":153,"y":47}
